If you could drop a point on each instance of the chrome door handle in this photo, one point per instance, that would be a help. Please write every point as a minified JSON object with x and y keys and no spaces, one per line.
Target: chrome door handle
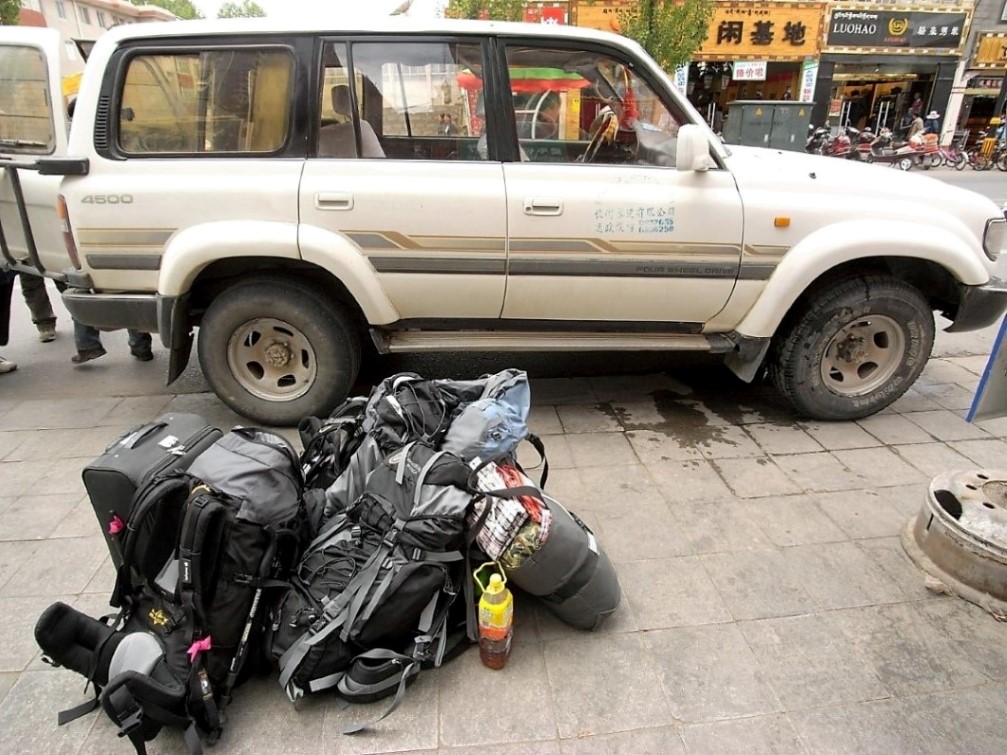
{"x":543,"y":207}
{"x":327,"y":200}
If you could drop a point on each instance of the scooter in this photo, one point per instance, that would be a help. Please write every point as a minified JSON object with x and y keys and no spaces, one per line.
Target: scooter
{"x":905,"y":155}
{"x":839,"y":145}
{"x":817,"y":137}
{"x":862,"y":141}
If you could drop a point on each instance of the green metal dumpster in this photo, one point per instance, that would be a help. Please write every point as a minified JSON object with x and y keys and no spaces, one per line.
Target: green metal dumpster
{"x":778,"y":124}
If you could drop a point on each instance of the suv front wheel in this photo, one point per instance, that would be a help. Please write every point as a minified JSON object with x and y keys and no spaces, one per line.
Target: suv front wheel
{"x":276,"y":350}
{"x":853,"y":348}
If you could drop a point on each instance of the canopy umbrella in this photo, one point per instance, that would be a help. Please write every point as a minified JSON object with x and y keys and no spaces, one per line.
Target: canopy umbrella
{"x":530,"y":80}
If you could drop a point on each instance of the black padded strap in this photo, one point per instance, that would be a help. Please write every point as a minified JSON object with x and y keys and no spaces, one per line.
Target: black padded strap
{"x":201,"y":513}
{"x":72,"y":714}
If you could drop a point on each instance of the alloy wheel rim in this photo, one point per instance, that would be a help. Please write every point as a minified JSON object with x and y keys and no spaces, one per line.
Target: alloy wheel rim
{"x":272,"y":360}
{"x":863,"y":355}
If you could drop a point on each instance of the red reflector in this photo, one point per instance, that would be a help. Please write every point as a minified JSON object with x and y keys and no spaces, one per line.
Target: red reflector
{"x":64,"y":221}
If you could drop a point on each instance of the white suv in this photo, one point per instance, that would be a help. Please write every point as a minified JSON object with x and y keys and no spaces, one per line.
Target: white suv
{"x":462,"y":186}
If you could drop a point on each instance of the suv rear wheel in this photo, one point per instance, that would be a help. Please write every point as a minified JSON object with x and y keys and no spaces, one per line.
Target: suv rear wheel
{"x":276,"y":350}
{"x":853,"y":348}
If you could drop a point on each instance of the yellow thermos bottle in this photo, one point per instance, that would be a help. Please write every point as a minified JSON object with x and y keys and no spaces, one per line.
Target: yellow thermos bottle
{"x":496,"y":619}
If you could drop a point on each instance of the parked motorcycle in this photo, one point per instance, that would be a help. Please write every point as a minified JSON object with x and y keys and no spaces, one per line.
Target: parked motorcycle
{"x":905,"y":154}
{"x":817,"y":137}
{"x":862,"y":141}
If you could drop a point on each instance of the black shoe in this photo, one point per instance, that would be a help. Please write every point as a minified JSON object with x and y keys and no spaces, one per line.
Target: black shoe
{"x":144,"y":355}
{"x":86,"y":355}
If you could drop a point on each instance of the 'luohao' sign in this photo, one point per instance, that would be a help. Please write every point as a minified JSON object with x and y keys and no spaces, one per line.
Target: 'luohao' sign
{"x":885,"y":28}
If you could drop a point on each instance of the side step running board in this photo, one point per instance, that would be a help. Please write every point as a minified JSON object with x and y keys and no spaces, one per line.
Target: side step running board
{"x":486,"y":340}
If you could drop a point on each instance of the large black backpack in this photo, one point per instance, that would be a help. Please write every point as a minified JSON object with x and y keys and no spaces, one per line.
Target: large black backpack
{"x":205,"y":553}
{"x":376,"y":587}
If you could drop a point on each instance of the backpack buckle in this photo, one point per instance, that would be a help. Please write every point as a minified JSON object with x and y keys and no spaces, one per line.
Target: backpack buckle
{"x":390,"y":538}
{"x":129,"y":722}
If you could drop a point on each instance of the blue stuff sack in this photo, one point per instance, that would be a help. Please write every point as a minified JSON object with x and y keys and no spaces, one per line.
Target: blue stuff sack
{"x":494,"y":424}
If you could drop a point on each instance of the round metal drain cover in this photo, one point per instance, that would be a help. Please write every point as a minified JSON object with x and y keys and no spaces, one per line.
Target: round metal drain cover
{"x":960,"y":536}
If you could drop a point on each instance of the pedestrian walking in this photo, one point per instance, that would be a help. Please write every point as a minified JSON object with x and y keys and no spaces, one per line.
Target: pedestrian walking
{"x":6,"y":288}
{"x":87,"y":339}
{"x":37,"y":298}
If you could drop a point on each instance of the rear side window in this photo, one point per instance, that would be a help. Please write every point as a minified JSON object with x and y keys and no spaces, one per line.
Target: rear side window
{"x":26,"y":123}
{"x":212,"y":102}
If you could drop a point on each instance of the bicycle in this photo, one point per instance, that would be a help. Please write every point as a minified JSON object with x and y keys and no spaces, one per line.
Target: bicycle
{"x":953,"y":155}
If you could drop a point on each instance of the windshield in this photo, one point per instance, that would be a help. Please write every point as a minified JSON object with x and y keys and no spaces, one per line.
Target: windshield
{"x":26,"y":122}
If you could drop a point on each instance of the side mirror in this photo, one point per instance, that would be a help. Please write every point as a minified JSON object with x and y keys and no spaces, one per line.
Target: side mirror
{"x":693,"y":151}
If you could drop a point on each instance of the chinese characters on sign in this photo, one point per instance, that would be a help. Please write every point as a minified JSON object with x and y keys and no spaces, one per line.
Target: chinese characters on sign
{"x":916,"y":29}
{"x":771,"y":31}
{"x":750,"y":70}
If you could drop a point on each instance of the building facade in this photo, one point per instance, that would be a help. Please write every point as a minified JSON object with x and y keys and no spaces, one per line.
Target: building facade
{"x":980,"y":87}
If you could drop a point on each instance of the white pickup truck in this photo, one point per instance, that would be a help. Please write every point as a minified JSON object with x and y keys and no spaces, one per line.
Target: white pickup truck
{"x":289,"y":189}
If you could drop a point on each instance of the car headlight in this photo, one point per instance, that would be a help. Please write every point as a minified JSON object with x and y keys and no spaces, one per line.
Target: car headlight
{"x":995,"y":237}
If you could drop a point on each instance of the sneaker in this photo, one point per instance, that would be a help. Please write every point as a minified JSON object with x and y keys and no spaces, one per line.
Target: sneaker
{"x":47,"y":333}
{"x":86,"y":355}
{"x":7,"y":366}
{"x":144,"y":355}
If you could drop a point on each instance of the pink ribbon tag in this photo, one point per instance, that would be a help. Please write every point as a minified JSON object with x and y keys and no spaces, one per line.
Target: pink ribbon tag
{"x":198,"y":647}
{"x":116,"y":525}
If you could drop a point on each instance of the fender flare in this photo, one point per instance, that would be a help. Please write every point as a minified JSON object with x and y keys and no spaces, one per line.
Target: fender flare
{"x":846,"y":241}
{"x":191,"y":250}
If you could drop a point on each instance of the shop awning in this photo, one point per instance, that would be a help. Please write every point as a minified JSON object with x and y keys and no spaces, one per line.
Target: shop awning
{"x":528,"y":80}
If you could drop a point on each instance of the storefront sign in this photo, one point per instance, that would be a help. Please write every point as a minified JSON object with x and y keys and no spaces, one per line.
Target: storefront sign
{"x":809,"y":73}
{"x":752,"y":70}
{"x":991,"y":52}
{"x":763,"y":31}
{"x":682,"y":78}
{"x":602,"y":15}
{"x":919,"y":30}
{"x":537,"y":14}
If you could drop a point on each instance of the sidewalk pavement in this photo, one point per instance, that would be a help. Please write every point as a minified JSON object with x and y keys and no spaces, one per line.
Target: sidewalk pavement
{"x":768,"y":606}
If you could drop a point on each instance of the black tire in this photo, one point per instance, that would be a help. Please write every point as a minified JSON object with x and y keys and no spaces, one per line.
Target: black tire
{"x":296,"y":318}
{"x":810,"y":352}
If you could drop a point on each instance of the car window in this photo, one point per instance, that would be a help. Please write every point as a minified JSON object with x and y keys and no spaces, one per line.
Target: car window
{"x":576,"y":106}
{"x":26,"y":121}
{"x":220,"y":101}
{"x":422,"y":100}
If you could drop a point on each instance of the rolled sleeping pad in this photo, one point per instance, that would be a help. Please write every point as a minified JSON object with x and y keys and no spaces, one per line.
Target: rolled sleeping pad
{"x":76,"y":641}
{"x":570,"y":572}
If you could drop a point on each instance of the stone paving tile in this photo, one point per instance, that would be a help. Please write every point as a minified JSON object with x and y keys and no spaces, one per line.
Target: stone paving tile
{"x":11,"y":441}
{"x":945,"y":425}
{"x":755,"y":478}
{"x":57,"y":567}
{"x":974,"y":365}
{"x":658,"y":741}
{"x":413,"y":727}
{"x":728,"y":442}
{"x":947,"y":371}
{"x":950,"y":395}
{"x":874,"y":728}
{"x":34,"y":517}
{"x":22,"y":477}
{"x":840,"y":575}
{"x":794,"y":520}
{"x":587,"y":418}
{"x":758,"y":584}
{"x":911,"y":401}
{"x":601,"y":685}
{"x":879,"y":467}
{"x":548,"y":627}
{"x":77,"y":414}
{"x":103,"y":580}
{"x":207,"y":406}
{"x":80,"y":522}
{"x":6,"y":682}
{"x":616,"y":490}
{"x":817,"y":472}
{"x":888,"y":554}
{"x":671,"y":592}
{"x":28,"y":711}
{"x":84,"y":445}
{"x":809,"y":663}
{"x":990,"y":453}
{"x":933,"y":458}
{"x":639,"y":413}
{"x":906,"y":651}
{"x":962,"y":720}
{"x":894,"y":428}
{"x":718,"y":527}
{"x":693,"y":481}
{"x":631,"y":533}
{"x":62,"y":479}
{"x":969,"y":626}
{"x":783,"y":439}
{"x":619,"y":387}
{"x":135,"y":410}
{"x":543,"y":420}
{"x":13,"y":555}
{"x":838,"y":435}
{"x":710,"y":674}
{"x":994,"y":427}
{"x":600,"y":449}
{"x":515,"y":748}
{"x":759,"y":735}
{"x":867,"y":513}
{"x":652,"y":446}
{"x":522,"y":690}
{"x":17,"y":638}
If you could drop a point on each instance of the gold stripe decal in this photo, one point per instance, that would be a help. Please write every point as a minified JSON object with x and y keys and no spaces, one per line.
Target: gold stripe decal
{"x":123,"y":237}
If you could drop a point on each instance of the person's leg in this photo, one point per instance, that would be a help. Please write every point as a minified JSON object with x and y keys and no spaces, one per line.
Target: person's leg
{"x":88,"y":343}
{"x":37,"y":298}
{"x":139,"y":345}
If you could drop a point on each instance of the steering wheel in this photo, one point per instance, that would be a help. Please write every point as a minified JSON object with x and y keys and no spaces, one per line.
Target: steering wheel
{"x":603,"y":131}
